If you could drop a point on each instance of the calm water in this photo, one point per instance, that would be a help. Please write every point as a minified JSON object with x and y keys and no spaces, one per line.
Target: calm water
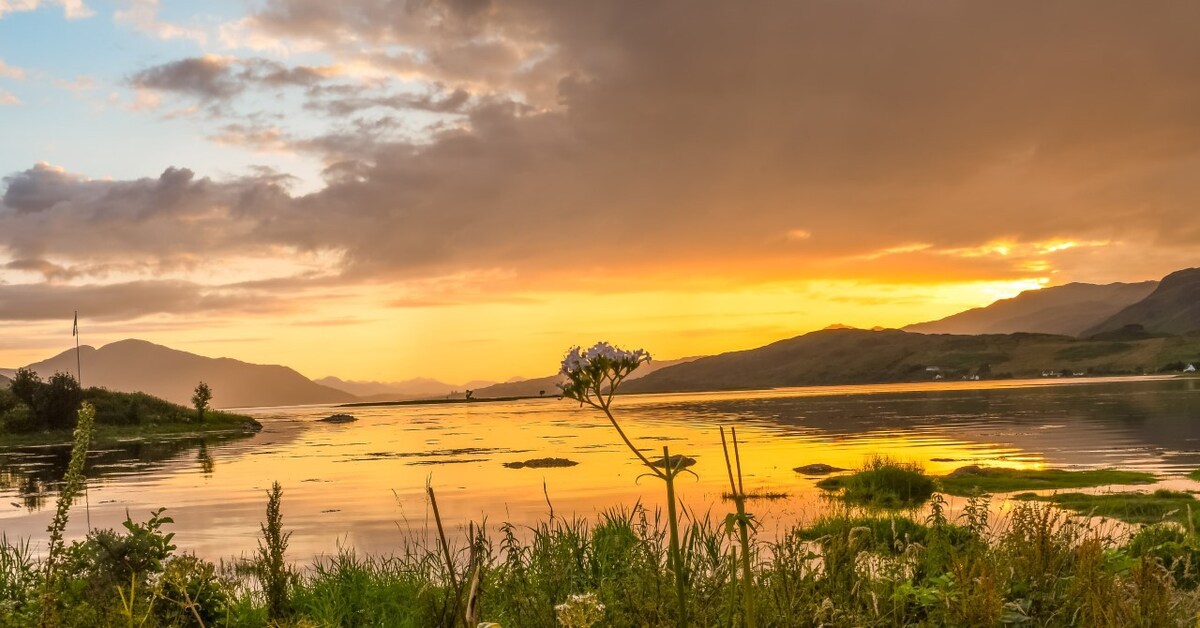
{"x":362,"y":484}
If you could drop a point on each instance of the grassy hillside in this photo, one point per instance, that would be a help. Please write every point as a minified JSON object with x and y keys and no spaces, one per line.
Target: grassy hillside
{"x":851,"y":356}
{"x":1061,"y":310}
{"x":1173,"y":308}
{"x":119,"y":415}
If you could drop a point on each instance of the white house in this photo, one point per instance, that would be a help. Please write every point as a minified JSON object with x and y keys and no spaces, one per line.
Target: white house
{"x":1191,"y":368}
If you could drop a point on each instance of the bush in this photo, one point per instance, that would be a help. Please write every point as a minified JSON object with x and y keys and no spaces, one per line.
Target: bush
{"x":20,"y":419}
{"x":25,"y":384}
{"x":884,"y":483}
{"x":1171,"y":547}
{"x":57,"y":402}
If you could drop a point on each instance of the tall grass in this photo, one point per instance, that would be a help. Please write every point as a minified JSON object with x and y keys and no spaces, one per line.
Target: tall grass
{"x":849,"y":567}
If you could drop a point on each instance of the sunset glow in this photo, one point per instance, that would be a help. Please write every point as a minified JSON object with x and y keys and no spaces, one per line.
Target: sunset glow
{"x":464,"y":190}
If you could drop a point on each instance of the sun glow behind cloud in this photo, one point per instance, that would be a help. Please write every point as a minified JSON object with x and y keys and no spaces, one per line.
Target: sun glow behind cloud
{"x":464,"y":189}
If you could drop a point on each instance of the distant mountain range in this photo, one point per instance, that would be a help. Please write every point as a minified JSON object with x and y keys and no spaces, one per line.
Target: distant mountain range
{"x":1124,"y":328}
{"x":854,"y":356}
{"x":1067,"y":310}
{"x":1173,"y":307}
{"x":416,"y":388}
{"x":549,"y":385}
{"x":1076,"y":328}
{"x":137,"y":365}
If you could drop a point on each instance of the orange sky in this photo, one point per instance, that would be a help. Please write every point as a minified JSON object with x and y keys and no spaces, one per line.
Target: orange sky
{"x":463,"y":190}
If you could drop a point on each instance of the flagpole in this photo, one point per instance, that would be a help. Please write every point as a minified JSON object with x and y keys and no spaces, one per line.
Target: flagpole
{"x":78,"y":361}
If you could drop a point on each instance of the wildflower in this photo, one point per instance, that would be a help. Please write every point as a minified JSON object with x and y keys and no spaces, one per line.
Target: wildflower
{"x":593,"y":374}
{"x":580,"y":611}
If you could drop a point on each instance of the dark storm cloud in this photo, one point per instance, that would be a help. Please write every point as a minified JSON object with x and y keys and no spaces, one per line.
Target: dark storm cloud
{"x":691,"y":138}
{"x":167,"y":220}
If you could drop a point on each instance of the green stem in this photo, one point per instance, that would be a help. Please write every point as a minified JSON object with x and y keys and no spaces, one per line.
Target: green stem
{"x":674,"y":552}
{"x":629,"y":443}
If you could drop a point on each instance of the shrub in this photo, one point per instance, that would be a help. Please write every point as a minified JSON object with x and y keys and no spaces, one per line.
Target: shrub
{"x":57,"y":401}
{"x":884,"y":483}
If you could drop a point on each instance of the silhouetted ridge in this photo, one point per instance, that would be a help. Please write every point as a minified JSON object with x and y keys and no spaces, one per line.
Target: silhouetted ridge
{"x":137,"y":365}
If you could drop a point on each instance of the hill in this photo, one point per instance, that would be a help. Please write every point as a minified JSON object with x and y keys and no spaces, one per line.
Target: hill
{"x":1172,"y":308}
{"x":137,"y":365}
{"x":1064,"y":310}
{"x":848,"y":356}
{"x":4,"y":381}
{"x":419,"y":387}
{"x":549,"y":385}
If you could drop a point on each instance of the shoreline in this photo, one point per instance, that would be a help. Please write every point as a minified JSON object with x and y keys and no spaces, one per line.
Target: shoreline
{"x":818,"y":389}
{"x":109,"y":434}
{"x":433,"y":402}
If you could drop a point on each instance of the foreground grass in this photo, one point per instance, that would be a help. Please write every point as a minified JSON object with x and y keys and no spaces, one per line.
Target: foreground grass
{"x":972,"y":480}
{"x":1039,"y":568}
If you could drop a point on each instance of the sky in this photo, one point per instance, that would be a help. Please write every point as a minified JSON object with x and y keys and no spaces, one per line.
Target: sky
{"x":464,"y":189}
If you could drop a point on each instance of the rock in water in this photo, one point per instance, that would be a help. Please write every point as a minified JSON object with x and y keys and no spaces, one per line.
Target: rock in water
{"x":339,"y":418}
{"x":678,"y":461}
{"x":817,"y":469}
{"x":541,"y":463}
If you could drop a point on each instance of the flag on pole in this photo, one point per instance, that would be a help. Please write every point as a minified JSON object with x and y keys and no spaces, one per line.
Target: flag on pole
{"x":75,"y":326}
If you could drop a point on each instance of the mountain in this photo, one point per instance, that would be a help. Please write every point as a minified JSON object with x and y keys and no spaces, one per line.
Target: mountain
{"x":523,"y":388}
{"x":850,"y":356}
{"x":4,"y":381}
{"x":416,"y":387}
{"x":1066,"y":310}
{"x":1173,"y":307}
{"x":549,"y":385}
{"x":137,"y":365}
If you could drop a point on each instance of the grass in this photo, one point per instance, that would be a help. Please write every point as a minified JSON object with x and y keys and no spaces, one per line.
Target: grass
{"x":122,"y":416}
{"x":1194,"y":475}
{"x":1092,"y":350}
{"x":973,"y":479}
{"x":883,"y":483}
{"x":1040,"y":569}
{"x":1130,"y":507}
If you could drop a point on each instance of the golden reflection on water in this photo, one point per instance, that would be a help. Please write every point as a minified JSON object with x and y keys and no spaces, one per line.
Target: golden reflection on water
{"x":362,"y":484}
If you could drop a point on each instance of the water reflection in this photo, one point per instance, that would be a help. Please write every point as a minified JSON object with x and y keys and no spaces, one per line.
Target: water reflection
{"x":362,"y":484}
{"x":33,"y":474}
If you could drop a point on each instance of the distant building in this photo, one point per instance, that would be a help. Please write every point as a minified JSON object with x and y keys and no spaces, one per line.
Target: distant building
{"x":932,"y":369}
{"x":1191,"y":368}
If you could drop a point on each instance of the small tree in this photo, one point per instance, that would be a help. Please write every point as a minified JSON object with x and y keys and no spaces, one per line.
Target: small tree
{"x":200,"y":399}
{"x":25,"y":385}
{"x":56,"y":403}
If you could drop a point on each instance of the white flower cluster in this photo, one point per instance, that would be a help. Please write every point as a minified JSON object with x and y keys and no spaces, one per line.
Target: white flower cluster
{"x":601,"y":354}
{"x":581,"y":610}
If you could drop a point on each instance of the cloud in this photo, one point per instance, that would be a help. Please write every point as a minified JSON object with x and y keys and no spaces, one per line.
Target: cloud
{"x":72,"y":9}
{"x":36,"y":302}
{"x":216,"y":77}
{"x":7,"y":99}
{"x":143,"y":16}
{"x":8,"y":71}
{"x":173,"y":219}
{"x":577,"y":145}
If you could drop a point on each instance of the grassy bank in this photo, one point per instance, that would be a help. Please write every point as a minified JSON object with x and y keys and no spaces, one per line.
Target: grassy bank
{"x":120,"y":416}
{"x":849,"y":567}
